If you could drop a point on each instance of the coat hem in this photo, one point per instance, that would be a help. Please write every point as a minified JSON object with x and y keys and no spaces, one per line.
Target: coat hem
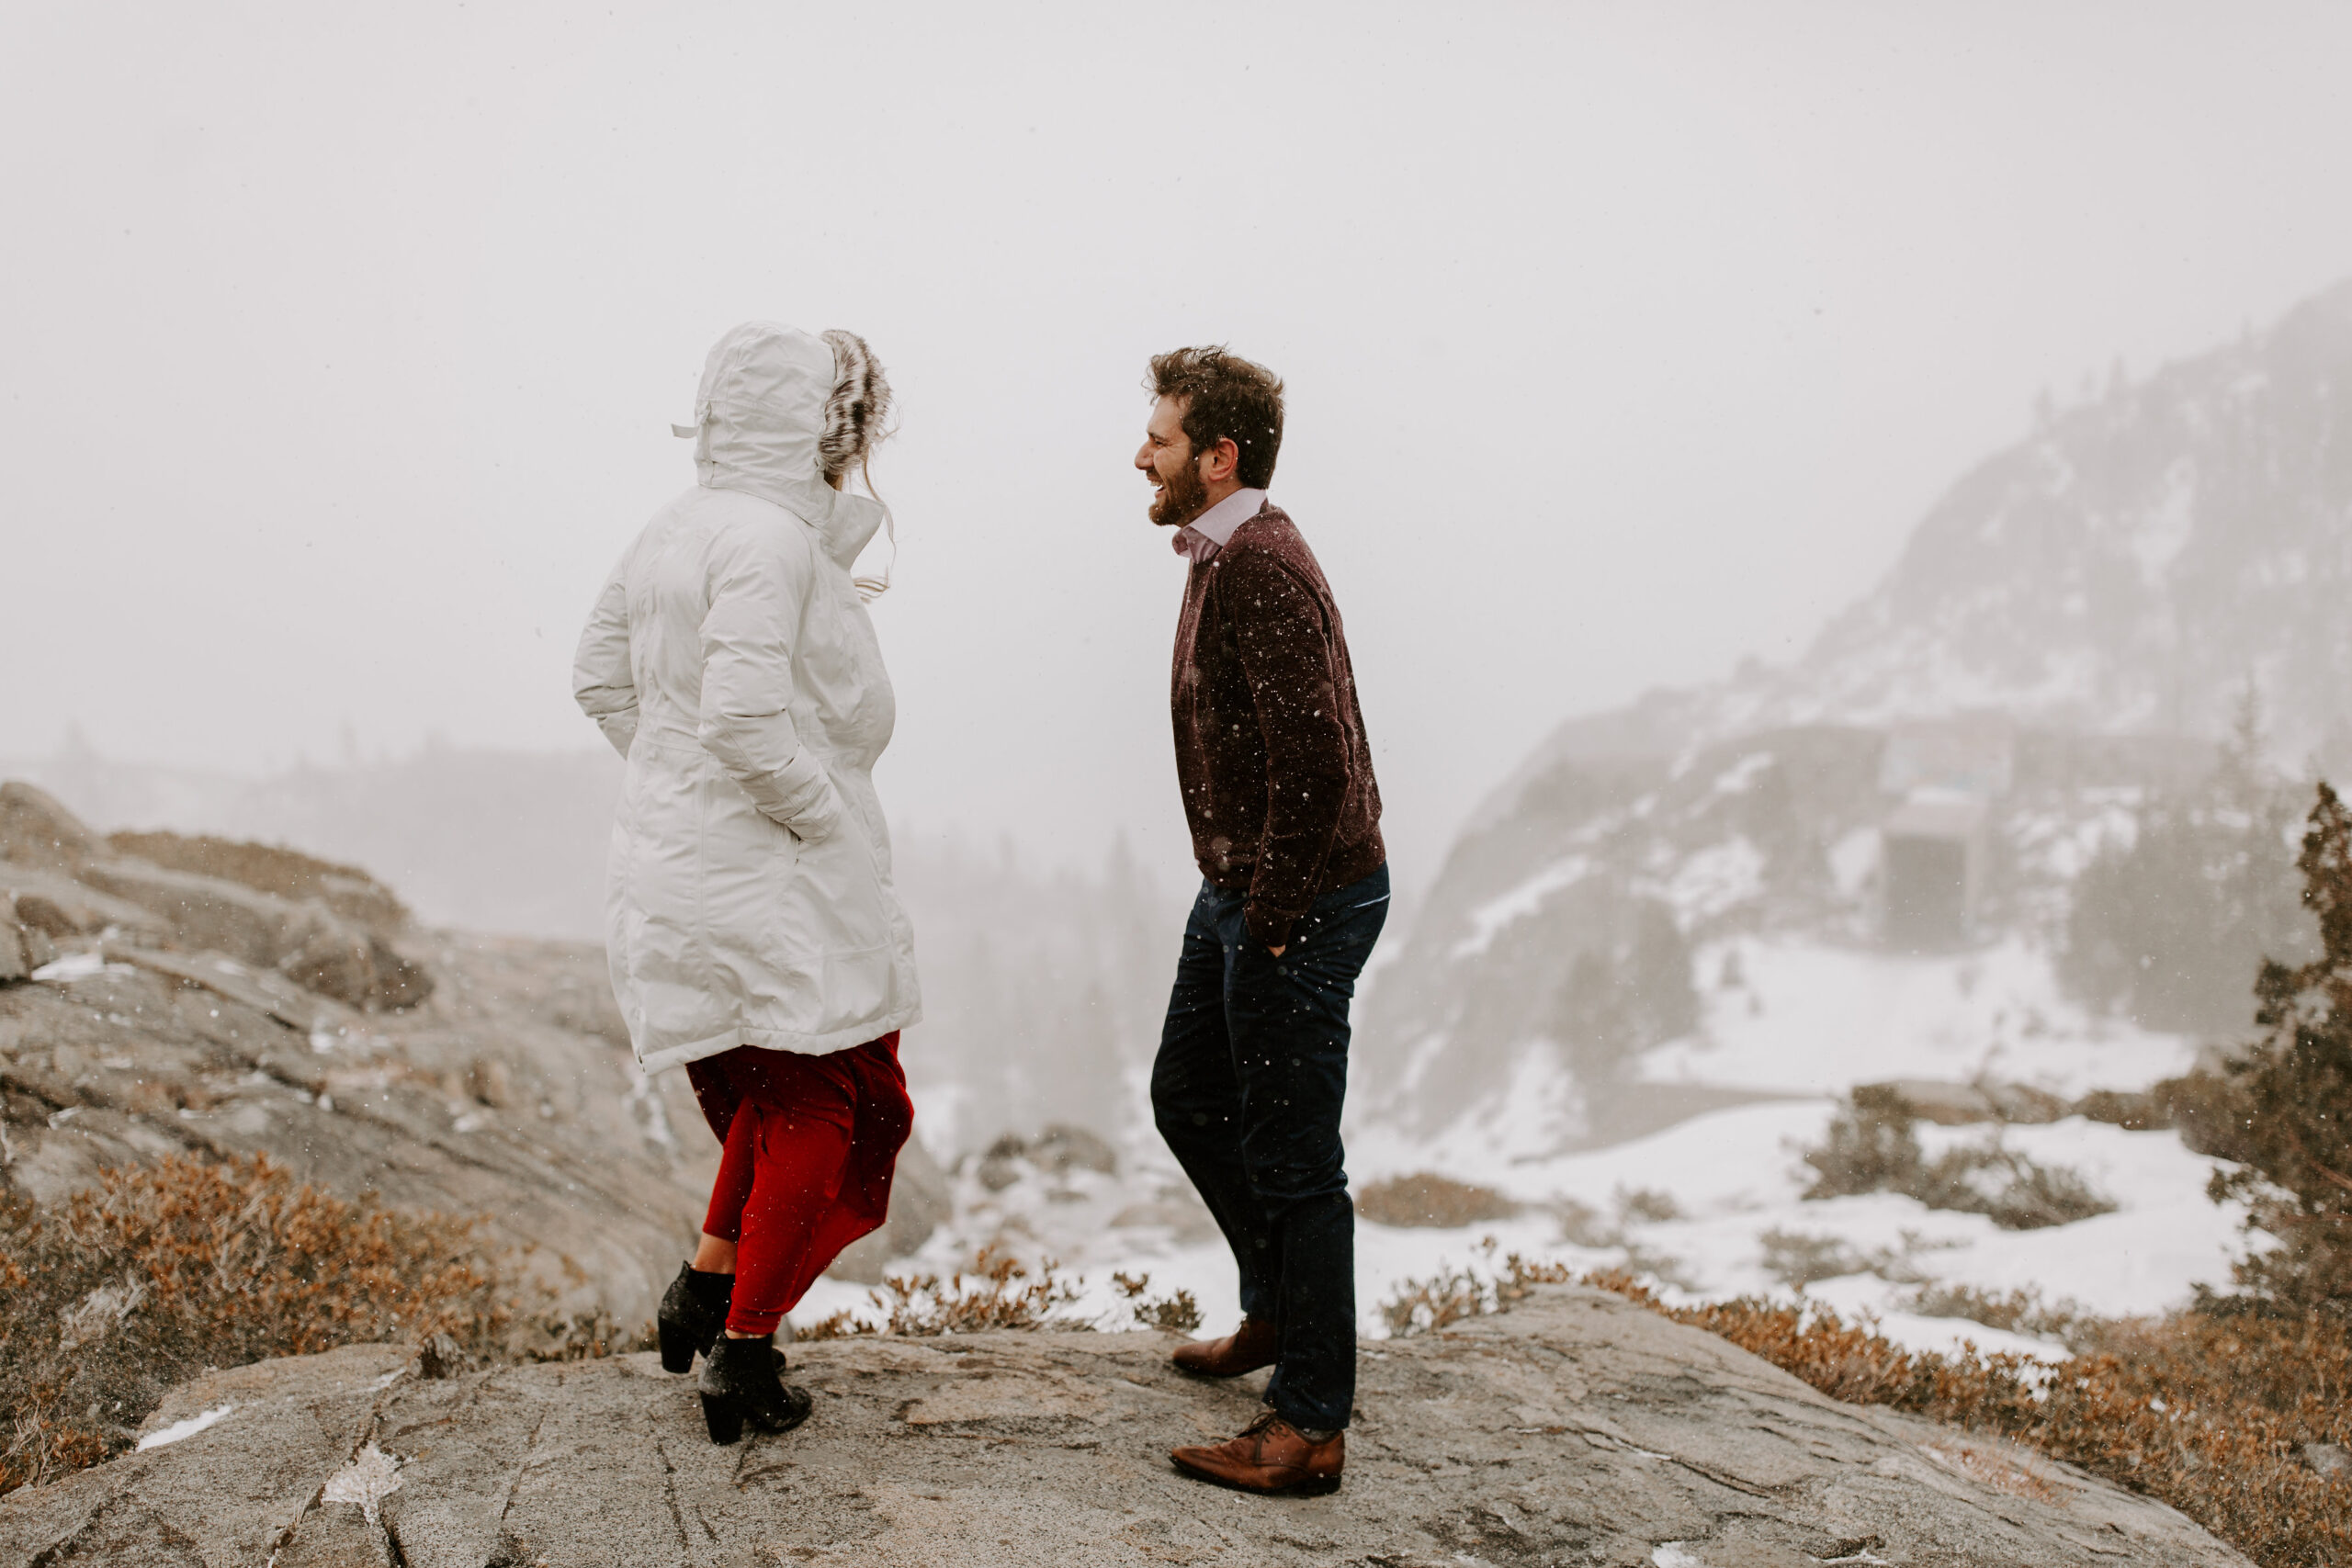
{"x":779,"y":1040}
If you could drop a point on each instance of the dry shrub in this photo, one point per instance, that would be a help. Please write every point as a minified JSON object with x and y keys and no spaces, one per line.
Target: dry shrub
{"x":1177,"y":1313}
{"x":2012,"y":1192}
{"x":999,"y":1293}
{"x":1870,"y":1149}
{"x":2209,"y":1412}
{"x":1646,"y":1203}
{"x":1423,"y":1306}
{"x":2017,"y":1312}
{"x":1797,"y":1260}
{"x":164,"y":1271}
{"x":1427,"y":1199}
{"x":1581,"y":1225}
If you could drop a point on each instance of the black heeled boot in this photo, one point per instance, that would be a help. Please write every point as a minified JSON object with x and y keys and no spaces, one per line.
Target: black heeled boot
{"x":693,"y":1309}
{"x":741,"y":1382}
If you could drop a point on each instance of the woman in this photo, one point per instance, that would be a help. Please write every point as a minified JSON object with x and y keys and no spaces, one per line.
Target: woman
{"x":751,"y":927}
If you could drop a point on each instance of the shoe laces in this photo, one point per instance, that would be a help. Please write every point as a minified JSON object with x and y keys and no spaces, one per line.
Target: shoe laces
{"x":1266,"y":1419}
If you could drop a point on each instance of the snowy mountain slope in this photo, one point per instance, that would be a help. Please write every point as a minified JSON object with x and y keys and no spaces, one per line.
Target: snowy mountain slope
{"x":2107,"y":586}
{"x":2131,"y":564}
{"x":2123,"y":570}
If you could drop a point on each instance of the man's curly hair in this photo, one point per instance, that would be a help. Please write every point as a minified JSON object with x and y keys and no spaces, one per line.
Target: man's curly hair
{"x":1226,"y":398}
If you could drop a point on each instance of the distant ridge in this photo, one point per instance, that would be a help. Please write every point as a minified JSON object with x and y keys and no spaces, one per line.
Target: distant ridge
{"x":2125,"y":568}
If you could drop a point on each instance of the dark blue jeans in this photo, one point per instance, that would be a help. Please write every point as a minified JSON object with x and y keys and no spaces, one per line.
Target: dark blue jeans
{"x":1252,"y":1069}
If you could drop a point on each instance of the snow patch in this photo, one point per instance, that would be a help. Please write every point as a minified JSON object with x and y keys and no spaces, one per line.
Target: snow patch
{"x":1816,"y":1019}
{"x":1488,"y":919}
{"x":72,"y":967}
{"x":1715,"y":879}
{"x":371,"y":1476}
{"x":1741,"y":776}
{"x":1853,"y":860}
{"x":180,"y":1429}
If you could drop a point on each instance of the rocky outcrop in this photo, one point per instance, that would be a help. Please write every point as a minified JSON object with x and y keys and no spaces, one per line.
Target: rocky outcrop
{"x":330,"y":929}
{"x":1578,"y":1428}
{"x":24,"y":941}
{"x":304,"y":940}
{"x":36,"y":831}
{"x":271,"y":868}
{"x":183,"y":1012}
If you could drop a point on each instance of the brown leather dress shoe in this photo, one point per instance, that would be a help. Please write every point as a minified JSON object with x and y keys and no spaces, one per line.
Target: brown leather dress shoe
{"x":1270,"y":1455}
{"x":1255,"y":1344}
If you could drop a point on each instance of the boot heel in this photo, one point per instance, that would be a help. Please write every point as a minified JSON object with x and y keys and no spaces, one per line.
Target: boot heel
{"x":724,"y":1417}
{"x":678,"y":1349}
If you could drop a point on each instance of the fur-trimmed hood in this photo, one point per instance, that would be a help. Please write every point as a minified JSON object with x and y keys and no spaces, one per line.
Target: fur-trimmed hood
{"x":773,"y":400}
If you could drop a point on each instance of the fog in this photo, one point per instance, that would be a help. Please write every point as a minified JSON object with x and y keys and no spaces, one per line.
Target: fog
{"x":340,"y":347}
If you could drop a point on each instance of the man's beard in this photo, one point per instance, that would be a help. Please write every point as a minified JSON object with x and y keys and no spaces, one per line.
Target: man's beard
{"x":1183,"y":498}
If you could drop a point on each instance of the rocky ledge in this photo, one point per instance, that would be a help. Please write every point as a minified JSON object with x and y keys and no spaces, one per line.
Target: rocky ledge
{"x":1578,"y":1428}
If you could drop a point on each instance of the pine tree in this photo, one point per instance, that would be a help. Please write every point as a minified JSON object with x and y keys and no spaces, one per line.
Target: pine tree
{"x":2169,"y":929}
{"x":2296,"y":1095}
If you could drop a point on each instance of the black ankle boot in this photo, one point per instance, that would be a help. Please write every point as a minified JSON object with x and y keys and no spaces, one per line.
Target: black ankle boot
{"x":693,"y":1309}
{"x":740,"y":1383}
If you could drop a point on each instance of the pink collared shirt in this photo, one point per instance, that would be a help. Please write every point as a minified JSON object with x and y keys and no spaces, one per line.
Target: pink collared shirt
{"x":1205,"y":534}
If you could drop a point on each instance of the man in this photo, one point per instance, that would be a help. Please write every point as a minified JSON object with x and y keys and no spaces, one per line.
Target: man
{"x":1278,"y":791}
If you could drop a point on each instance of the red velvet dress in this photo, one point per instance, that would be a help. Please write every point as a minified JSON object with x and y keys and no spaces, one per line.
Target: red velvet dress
{"x":811,"y":1143}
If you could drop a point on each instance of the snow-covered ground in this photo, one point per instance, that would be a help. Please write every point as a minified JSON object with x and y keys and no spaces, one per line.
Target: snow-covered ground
{"x":1808,"y":1016}
{"x":1694,"y":1205}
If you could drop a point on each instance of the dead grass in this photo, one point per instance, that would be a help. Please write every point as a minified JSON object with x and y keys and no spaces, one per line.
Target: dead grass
{"x":164,"y":1271}
{"x":1000,"y":1291}
{"x":1427,"y":1199}
{"x":2209,"y":1412}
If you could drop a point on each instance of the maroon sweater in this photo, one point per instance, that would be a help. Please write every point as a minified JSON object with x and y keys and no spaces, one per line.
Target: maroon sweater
{"x":1269,"y":744}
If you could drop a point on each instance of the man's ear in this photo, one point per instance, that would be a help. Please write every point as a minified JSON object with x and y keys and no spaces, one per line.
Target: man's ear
{"x":1222,"y":460}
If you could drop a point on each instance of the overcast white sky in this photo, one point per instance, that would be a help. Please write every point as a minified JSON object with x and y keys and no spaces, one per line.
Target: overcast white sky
{"x":339,"y":344}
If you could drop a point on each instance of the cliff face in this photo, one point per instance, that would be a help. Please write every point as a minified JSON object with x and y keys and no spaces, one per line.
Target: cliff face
{"x":1577,"y":1428}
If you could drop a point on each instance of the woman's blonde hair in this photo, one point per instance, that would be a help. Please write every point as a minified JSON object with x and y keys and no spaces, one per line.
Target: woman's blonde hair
{"x":857,"y":414}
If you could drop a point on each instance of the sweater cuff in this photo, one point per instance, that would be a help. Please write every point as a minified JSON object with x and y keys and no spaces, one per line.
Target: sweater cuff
{"x":1268,"y":928}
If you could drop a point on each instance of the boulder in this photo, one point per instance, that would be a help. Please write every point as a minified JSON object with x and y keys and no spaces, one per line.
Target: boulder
{"x":64,"y":909}
{"x":2023,"y":1105}
{"x":24,"y":941}
{"x":273,"y":869}
{"x":2135,"y":1110}
{"x":1927,"y":1100}
{"x":1577,"y":1429}
{"x":1058,"y":1148}
{"x":305,"y":941}
{"x":1064,"y":1147}
{"x":1000,"y":1167}
{"x":36,"y":829}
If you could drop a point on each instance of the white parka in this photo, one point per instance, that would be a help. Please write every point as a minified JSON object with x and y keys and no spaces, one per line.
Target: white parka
{"x":749,"y":898}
